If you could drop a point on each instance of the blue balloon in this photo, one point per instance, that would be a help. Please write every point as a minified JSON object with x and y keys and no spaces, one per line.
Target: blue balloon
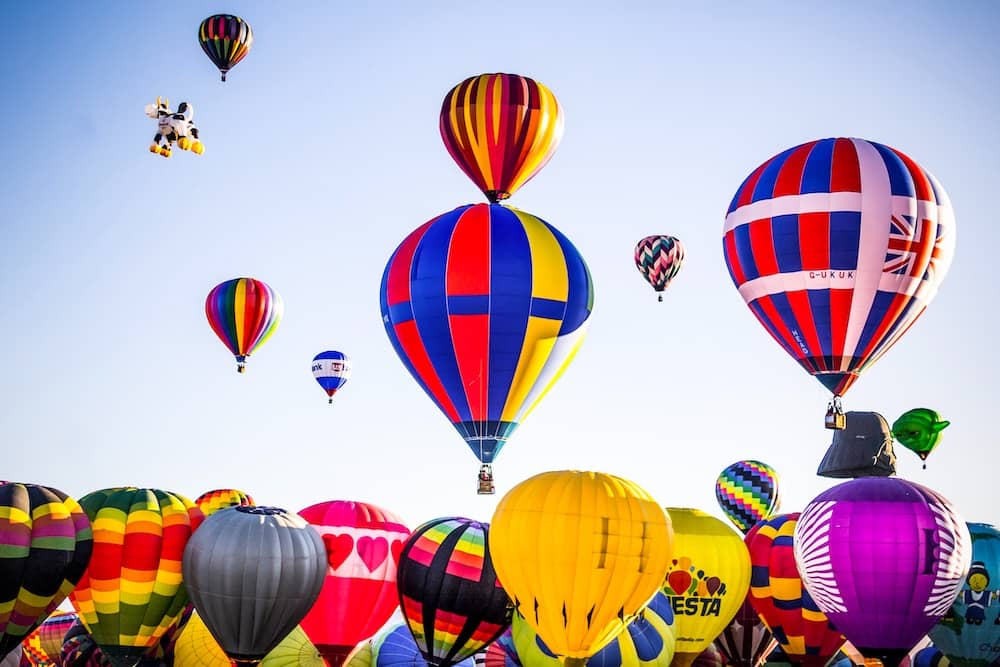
{"x":396,"y":648}
{"x":331,"y":369}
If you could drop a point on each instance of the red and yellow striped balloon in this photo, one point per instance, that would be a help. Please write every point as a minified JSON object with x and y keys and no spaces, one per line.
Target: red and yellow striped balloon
{"x":501,"y":129}
{"x":133,"y":590}
{"x":211,"y":502}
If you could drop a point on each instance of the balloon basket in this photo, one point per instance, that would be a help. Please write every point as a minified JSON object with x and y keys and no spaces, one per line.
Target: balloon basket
{"x":835,"y":417}
{"x":486,"y":487}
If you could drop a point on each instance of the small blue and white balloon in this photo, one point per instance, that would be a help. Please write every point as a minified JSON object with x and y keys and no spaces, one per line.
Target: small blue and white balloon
{"x":332,"y":370}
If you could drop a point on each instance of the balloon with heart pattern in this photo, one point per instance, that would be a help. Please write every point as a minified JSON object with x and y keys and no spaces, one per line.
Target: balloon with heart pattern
{"x":363,"y":543}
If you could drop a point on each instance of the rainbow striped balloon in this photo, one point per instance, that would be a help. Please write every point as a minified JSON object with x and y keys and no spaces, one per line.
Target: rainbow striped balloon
{"x":747,"y":492}
{"x":217,"y":499}
{"x":243,"y":313}
{"x":133,"y":590}
{"x":501,"y":129}
{"x":226,"y":40}
{"x":448,"y":590}
{"x":41,"y":648}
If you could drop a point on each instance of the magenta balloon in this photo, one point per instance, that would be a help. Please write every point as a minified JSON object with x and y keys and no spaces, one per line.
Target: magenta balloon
{"x":884,"y":559}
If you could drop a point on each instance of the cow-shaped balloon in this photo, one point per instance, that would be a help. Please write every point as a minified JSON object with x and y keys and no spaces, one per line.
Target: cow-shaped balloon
{"x":173,"y":127}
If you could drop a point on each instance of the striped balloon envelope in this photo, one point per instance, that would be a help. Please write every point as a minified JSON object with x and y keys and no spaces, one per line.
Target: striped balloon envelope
{"x":394,"y":647}
{"x":486,"y":307}
{"x":41,"y":648}
{"x":499,"y":653}
{"x":449,"y":594}
{"x":659,"y":258}
{"x":45,"y":546}
{"x":80,"y":650}
{"x":226,"y":40}
{"x":211,"y":502}
{"x":802,"y":631}
{"x":244,"y":313}
{"x":332,"y":370}
{"x":133,"y":589}
{"x":747,"y":491}
{"x":838,"y":246}
{"x":500,"y":129}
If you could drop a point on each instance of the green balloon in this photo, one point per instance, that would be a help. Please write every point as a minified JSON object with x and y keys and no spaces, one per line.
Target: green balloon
{"x":919,"y":430}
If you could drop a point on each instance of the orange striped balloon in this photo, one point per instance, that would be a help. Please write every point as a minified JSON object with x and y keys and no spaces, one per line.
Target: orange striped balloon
{"x":133,"y":591}
{"x":211,"y":502}
{"x":501,"y":129}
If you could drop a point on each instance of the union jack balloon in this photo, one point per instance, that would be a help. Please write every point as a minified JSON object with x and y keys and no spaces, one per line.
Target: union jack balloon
{"x":838,"y":246}
{"x":659,"y":258}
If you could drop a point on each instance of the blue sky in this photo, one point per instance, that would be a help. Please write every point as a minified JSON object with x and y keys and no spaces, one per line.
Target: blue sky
{"x":323,"y":152}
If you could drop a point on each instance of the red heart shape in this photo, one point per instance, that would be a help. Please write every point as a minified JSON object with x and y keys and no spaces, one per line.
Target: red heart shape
{"x":338,"y":548}
{"x":679,"y":581}
{"x":396,"y":549}
{"x":373,"y":551}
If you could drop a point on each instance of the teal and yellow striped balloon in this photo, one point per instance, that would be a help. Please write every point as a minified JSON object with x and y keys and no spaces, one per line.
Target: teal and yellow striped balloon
{"x":747,"y":492}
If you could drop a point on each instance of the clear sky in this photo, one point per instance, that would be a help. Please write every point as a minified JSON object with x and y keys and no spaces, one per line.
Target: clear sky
{"x":323,"y":153}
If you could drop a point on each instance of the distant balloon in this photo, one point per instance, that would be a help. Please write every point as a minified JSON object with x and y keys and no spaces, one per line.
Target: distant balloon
{"x":362,"y":546}
{"x":395,"y":647}
{"x":883,"y":558}
{"x":486,"y":307}
{"x":580,"y":554}
{"x":659,"y":259}
{"x":838,"y":246}
{"x":45,"y":546}
{"x":502,"y":652}
{"x":211,"y":502}
{"x":448,"y":590}
{"x":746,"y":641}
{"x":243,"y":313}
{"x":747,"y":491}
{"x":42,"y":646}
{"x":80,"y":650}
{"x":500,"y":129}
{"x":226,"y":40}
{"x":707,"y":580}
{"x":919,"y":430}
{"x":196,"y":647}
{"x":969,"y":633}
{"x":332,"y":370}
{"x":261,"y":564}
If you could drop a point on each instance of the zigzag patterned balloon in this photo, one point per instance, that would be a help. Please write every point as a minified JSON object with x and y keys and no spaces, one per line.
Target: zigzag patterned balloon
{"x":747,"y":492}
{"x":659,"y":259}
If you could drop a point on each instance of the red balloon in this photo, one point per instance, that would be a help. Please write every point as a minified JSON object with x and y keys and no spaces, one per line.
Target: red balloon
{"x":363,"y":543}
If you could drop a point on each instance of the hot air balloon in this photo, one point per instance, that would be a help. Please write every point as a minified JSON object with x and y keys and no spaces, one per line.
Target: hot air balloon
{"x":838,"y":246}
{"x":45,"y":545}
{"x":196,"y":647}
{"x":362,"y":545}
{"x":969,"y":633}
{"x":500,"y":129}
{"x":747,"y":492}
{"x":332,"y":370}
{"x":648,"y":641}
{"x":212,"y":501}
{"x":41,"y":648}
{"x":883,"y":558}
{"x":746,"y":641}
{"x":448,"y":590}
{"x":707,"y":580}
{"x":502,"y":652}
{"x":395,"y":647}
{"x":253,"y":573}
{"x":919,"y":430}
{"x":804,"y":633}
{"x":14,"y":658}
{"x":243,"y":313}
{"x":659,"y":259}
{"x":710,"y":657}
{"x":486,"y":306}
{"x":80,"y":650}
{"x":132,"y":591}
{"x":361,"y":656}
{"x":580,"y":554}
{"x":226,"y":40}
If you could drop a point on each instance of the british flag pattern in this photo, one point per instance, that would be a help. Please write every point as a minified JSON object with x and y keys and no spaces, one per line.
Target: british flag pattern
{"x":838,"y":246}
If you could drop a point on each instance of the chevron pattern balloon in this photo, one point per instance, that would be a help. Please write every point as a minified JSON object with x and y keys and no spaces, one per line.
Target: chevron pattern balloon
{"x":659,"y":259}
{"x":747,"y":492}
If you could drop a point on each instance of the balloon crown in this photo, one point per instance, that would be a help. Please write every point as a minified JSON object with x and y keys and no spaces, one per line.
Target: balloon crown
{"x":268,"y":511}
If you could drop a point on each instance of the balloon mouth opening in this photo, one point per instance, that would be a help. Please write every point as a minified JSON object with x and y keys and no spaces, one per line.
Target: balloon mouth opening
{"x":265,"y":510}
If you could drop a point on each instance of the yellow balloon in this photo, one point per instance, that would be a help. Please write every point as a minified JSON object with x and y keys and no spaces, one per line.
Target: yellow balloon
{"x":580,"y":554}
{"x":196,"y":647}
{"x":707,"y":581}
{"x":360,"y":656}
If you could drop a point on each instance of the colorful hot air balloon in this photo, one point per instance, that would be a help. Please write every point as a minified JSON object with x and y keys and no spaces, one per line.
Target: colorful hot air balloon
{"x":196,"y":647}
{"x":133,"y":591}
{"x":580,"y":554}
{"x":706,"y":582}
{"x":211,"y":502}
{"x":659,"y":259}
{"x":919,"y":430}
{"x":332,"y":370}
{"x":804,"y":633}
{"x":243,"y":313}
{"x":502,"y":652}
{"x":395,"y":647}
{"x":969,"y":634}
{"x":80,"y":650}
{"x":42,"y":646}
{"x":486,"y":306}
{"x":362,"y":545}
{"x":253,"y":573}
{"x":746,"y":641}
{"x":837,"y":246}
{"x":883,"y":558}
{"x":747,"y":492}
{"x":648,"y":641}
{"x":448,"y":590}
{"x":226,"y":40}
{"x":45,"y":545}
{"x":500,"y":129}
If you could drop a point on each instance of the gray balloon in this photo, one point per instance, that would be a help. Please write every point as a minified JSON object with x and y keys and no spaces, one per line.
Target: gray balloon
{"x":253,"y":573}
